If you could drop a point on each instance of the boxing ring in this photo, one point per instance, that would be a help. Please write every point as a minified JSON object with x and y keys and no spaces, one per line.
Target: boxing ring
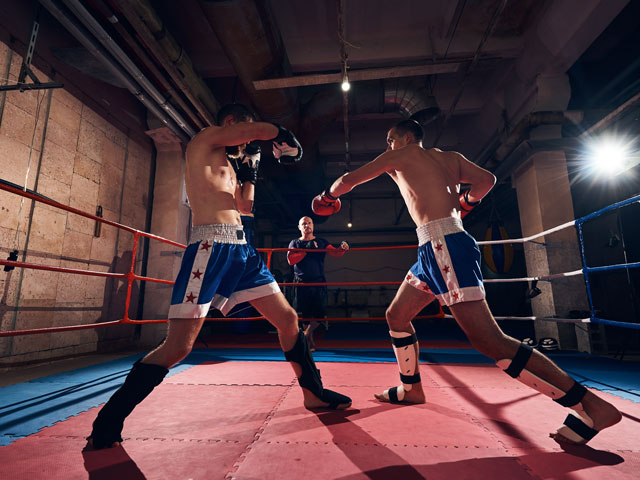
{"x":237,"y":412}
{"x":131,"y":276}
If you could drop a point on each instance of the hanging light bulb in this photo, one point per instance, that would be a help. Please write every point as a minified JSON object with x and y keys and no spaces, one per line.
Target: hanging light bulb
{"x":346,"y":86}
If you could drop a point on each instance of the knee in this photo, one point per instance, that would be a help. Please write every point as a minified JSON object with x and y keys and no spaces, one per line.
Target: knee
{"x":179,"y":353}
{"x":290,"y":320}
{"x":395,"y":320}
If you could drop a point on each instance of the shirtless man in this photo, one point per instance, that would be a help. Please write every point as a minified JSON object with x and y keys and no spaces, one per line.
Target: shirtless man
{"x":448,"y":268}
{"x":219,"y":269}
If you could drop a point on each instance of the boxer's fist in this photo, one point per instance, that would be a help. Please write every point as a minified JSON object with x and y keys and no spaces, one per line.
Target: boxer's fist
{"x":286,"y":148}
{"x":465,"y":204}
{"x":248,"y":168}
{"x":325,"y":204}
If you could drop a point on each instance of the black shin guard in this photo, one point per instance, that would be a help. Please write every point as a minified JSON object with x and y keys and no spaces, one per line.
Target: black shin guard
{"x":310,"y":378}
{"x":140,"y":382}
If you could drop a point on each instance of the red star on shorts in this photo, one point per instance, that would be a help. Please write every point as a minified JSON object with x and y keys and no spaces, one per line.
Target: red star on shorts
{"x":439,"y":247}
{"x":446,"y":269}
{"x":190,"y":297}
{"x":425,"y":288}
{"x":455,"y":295}
{"x":197,"y":273}
{"x":205,"y":245}
{"x":408,"y":277}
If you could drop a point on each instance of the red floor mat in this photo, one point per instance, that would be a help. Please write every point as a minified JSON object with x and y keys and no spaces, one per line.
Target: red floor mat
{"x":245,"y":420}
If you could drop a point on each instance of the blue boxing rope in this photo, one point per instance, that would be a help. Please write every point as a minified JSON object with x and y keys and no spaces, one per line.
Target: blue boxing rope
{"x":585,"y":271}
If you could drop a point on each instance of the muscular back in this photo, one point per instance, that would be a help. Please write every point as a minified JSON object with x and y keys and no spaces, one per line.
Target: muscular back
{"x":428,"y":181}
{"x":211,"y":183}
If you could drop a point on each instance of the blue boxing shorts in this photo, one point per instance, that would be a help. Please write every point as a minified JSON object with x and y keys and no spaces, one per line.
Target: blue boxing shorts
{"x":448,"y":263}
{"x":219,"y":269}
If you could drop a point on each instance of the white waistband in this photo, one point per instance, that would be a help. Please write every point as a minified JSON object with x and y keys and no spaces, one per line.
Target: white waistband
{"x":438,"y":228}
{"x":219,"y":233}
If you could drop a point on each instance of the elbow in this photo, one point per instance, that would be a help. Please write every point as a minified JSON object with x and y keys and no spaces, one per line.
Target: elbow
{"x":266,"y":131}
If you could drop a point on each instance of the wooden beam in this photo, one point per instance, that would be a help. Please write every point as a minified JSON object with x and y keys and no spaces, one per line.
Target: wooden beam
{"x":357,"y":75}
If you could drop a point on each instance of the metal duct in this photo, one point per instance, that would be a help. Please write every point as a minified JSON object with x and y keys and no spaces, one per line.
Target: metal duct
{"x":249,"y":35}
{"x":409,"y":98}
{"x":78,"y":32}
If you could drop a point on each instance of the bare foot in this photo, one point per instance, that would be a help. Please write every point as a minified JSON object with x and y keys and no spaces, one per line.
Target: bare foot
{"x":601,"y":412}
{"x":312,"y":402}
{"x":90,"y":443}
{"x":413,"y":396}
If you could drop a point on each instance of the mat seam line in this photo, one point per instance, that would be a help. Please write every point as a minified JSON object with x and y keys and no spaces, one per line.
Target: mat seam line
{"x":236,"y":465}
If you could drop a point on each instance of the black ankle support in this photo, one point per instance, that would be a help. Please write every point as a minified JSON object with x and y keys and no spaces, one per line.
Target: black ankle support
{"x":300,"y":354}
{"x":140,"y":382}
{"x":519,"y":360}
{"x":310,"y":378}
{"x":573,"y":397}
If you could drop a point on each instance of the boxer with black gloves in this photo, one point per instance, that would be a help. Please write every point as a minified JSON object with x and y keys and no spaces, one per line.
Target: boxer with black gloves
{"x":220,"y":269}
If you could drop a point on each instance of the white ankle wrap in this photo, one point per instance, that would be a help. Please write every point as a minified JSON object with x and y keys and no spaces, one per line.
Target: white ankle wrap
{"x":405,"y":346}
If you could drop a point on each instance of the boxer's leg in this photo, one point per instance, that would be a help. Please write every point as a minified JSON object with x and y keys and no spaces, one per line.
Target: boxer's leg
{"x":296,"y":350}
{"x":408,"y":302}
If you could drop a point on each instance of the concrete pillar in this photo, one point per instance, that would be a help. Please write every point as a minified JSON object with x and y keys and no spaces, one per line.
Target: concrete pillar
{"x":170,"y":219}
{"x":544,"y":202}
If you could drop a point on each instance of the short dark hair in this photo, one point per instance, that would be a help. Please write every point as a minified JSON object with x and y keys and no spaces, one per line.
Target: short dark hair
{"x":239,"y":112}
{"x":410,"y":126}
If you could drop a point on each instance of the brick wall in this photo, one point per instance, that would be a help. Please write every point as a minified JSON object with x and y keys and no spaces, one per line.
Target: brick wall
{"x":66,"y":151}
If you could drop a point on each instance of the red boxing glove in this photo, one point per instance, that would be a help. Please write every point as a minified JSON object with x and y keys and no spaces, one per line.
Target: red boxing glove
{"x":325,"y":204}
{"x":465,"y":204}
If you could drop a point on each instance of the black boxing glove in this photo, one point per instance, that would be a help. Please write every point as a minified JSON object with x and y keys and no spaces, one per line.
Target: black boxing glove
{"x":248,"y":168}
{"x":286,"y":148}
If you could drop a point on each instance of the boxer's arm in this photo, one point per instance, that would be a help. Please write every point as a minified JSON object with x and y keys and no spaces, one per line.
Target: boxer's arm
{"x":236,"y":134}
{"x":381,"y":164}
{"x":481,"y":180}
{"x":245,"y":195}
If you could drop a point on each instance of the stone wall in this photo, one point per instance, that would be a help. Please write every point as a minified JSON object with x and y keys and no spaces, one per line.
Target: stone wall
{"x":66,"y":151}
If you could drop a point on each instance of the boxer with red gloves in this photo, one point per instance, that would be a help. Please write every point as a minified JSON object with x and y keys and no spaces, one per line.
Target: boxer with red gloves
{"x":325,"y":204}
{"x":448,"y":269}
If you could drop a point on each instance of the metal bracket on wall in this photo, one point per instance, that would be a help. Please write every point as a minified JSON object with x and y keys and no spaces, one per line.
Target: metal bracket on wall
{"x":26,"y":64}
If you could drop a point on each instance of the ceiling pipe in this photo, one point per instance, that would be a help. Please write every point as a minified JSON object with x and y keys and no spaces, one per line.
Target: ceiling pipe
{"x":170,"y":54}
{"x":83,"y":37}
{"x":105,"y":39}
{"x":110,"y":15}
{"x":249,"y":35}
{"x":485,"y":37}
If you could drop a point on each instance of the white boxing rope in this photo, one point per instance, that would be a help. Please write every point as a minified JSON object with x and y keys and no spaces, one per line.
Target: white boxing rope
{"x":531,"y":237}
{"x":547,"y":319}
{"x":531,"y":279}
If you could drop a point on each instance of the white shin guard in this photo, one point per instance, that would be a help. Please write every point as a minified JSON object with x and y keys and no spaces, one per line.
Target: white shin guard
{"x":405,"y":347}
{"x":577,"y":427}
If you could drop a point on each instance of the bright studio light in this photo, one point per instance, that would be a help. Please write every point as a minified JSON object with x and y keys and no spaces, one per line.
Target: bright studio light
{"x":609,"y":157}
{"x":346,"y":86}
{"x":349,"y":225}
